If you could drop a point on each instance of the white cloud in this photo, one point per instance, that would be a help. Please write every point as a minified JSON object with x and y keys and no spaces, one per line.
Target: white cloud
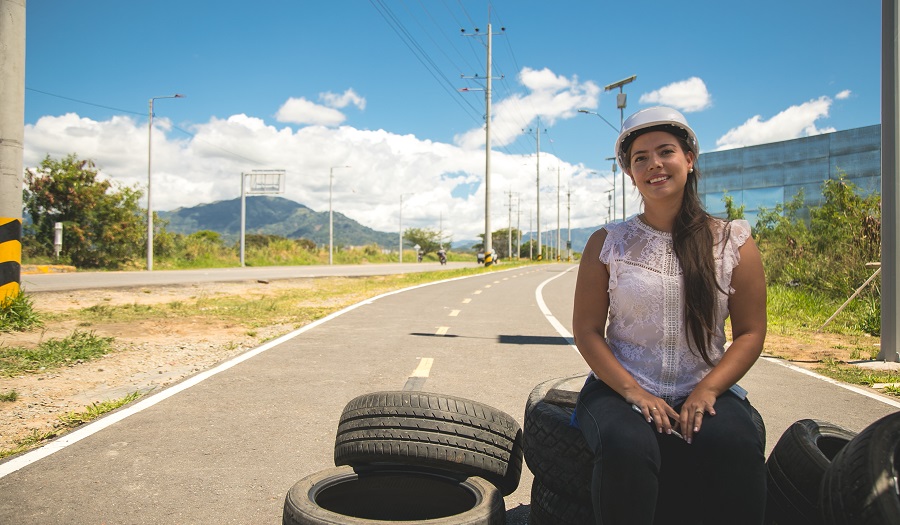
{"x":794,"y":122}
{"x":843,"y":95}
{"x":302,"y":111}
{"x":551,"y":97}
{"x":343,"y":100}
{"x":687,"y":95}
{"x":206,"y":167}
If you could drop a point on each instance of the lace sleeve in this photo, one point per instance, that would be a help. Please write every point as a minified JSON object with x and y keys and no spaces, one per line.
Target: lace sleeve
{"x":607,"y":255}
{"x":738,"y":231}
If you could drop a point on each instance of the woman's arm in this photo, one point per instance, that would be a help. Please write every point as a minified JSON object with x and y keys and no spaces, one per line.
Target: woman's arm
{"x":747,"y":310}
{"x":591,"y":310}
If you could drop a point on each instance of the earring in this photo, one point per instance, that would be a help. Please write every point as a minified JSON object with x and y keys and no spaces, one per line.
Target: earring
{"x":691,"y":170}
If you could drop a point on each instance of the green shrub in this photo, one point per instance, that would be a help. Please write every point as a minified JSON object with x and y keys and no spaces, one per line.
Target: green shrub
{"x":17,"y":313}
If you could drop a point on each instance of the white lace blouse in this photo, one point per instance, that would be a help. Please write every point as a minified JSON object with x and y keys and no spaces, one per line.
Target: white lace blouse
{"x":646,"y":330}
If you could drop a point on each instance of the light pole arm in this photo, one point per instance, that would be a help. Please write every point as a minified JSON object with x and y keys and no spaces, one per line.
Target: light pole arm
{"x":601,"y":116}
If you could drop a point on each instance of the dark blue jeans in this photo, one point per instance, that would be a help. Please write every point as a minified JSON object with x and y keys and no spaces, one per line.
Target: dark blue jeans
{"x":643,"y":477}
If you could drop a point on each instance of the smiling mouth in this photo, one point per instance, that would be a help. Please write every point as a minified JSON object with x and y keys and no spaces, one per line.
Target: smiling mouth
{"x":661,"y":178}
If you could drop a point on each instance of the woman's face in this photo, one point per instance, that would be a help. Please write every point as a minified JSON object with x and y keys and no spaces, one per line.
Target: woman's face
{"x":659,"y":165}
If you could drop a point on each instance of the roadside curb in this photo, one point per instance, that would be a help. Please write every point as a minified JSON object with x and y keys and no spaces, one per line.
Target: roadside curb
{"x":30,"y":269}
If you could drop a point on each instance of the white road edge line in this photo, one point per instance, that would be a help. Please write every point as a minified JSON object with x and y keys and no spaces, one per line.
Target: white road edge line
{"x":852,"y":388}
{"x":561,"y":330}
{"x":92,"y":428}
{"x":554,"y":322}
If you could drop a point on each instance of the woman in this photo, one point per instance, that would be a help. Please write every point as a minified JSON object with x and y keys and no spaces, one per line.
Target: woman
{"x":672,"y":434}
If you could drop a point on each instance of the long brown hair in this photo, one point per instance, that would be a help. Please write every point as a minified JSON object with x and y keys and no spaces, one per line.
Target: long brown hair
{"x":692,"y":240}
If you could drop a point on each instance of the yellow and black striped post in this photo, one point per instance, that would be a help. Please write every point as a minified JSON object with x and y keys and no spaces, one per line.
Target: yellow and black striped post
{"x":10,"y":256}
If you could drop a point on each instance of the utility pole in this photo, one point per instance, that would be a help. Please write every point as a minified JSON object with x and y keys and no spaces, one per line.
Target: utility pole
{"x":518,"y":227}
{"x":488,"y":248}
{"x":538,"y":185}
{"x":509,"y":233}
{"x":558,"y":247}
{"x":531,"y":235}
{"x":890,"y":187}
{"x":569,"y":224}
{"x":12,"y":138}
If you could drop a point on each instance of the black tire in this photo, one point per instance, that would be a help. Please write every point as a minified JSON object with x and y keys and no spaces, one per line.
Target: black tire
{"x":552,"y":508}
{"x":861,"y":487}
{"x":795,"y":468}
{"x":341,"y":496}
{"x":431,"y":430}
{"x":556,"y":452}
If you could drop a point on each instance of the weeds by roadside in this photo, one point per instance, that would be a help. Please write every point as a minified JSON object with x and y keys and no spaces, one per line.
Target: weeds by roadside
{"x":67,"y":422}
{"x":80,"y":346}
{"x":10,"y":396}
{"x":860,"y":376}
{"x":17,"y":314}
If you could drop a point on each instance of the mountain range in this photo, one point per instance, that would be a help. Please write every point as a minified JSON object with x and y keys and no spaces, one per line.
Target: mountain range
{"x":279,"y":216}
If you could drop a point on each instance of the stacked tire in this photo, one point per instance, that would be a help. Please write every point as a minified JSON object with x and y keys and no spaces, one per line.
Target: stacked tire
{"x":416,"y":457}
{"x":558,"y":455}
{"x":819,"y":472}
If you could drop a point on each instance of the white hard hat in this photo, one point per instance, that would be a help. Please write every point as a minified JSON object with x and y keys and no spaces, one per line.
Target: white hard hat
{"x":651,"y":118}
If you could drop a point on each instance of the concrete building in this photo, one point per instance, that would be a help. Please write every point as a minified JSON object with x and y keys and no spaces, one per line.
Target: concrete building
{"x":769,"y":174}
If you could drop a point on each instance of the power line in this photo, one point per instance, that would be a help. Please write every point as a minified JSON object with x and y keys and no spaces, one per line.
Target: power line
{"x":421,"y":54}
{"x":120,"y":110}
{"x":84,"y":102}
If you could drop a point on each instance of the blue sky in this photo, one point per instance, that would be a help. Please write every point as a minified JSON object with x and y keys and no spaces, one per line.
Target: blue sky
{"x":375,"y":84}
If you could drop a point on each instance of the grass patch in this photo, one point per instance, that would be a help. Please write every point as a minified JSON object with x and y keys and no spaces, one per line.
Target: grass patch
{"x":12,"y":395}
{"x":856,"y":375}
{"x":17,"y":314}
{"x":67,"y":422}
{"x":796,"y":309}
{"x":95,"y":410}
{"x":295,"y":306}
{"x":80,"y":346}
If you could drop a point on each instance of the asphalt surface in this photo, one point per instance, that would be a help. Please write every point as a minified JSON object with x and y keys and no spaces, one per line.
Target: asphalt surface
{"x":227,"y":445}
{"x":57,"y":282}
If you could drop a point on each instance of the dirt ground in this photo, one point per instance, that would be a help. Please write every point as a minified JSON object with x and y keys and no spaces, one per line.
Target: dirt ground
{"x":151,"y":355}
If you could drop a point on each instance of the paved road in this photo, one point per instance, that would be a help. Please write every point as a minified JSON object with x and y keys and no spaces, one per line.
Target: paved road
{"x":56,"y":282}
{"x":227,"y":448}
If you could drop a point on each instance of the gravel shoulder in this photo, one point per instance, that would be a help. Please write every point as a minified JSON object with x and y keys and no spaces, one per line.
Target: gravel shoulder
{"x":153,"y":354}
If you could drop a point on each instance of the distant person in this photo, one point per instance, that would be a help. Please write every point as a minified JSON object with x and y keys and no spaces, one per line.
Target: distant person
{"x":665,"y":281}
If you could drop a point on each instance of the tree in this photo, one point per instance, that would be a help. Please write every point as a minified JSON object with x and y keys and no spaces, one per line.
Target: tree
{"x":429,"y":241}
{"x":102,"y":224}
{"x":500,"y":242}
{"x":829,"y":251}
{"x":733,"y":212}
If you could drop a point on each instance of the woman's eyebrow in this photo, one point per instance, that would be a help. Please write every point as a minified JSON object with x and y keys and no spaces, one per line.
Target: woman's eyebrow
{"x":665,"y":145}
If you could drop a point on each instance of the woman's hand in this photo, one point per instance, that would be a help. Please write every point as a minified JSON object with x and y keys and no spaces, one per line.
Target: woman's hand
{"x":698,"y":404}
{"x":655,"y":410}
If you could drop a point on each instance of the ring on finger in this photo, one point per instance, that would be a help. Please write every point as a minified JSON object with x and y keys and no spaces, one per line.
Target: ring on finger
{"x":652,"y":408}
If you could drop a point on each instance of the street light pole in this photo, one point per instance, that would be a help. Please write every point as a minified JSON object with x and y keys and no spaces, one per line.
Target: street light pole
{"x":331,"y":214}
{"x":149,"y":179}
{"x":621,"y":103}
{"x":608,"y":123}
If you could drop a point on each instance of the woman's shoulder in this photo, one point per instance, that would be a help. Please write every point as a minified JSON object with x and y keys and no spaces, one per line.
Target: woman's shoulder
{"x":735,"y":230}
